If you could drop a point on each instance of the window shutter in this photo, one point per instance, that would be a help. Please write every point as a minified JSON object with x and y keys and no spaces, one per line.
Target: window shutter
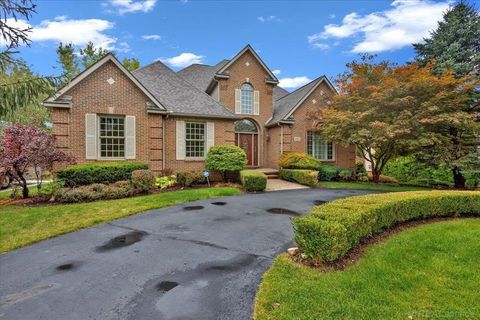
{"x":180,"y":136}
{"x":210,"y":135}
{"x":130,"y":147}
{"x":256,"y":102}
{"x":90,"y":136}
{"x":238,"y":101}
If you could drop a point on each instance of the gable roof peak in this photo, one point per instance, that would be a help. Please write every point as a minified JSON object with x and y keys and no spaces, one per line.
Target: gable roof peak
{"x":273,"y":79}
{"x":52,"y":101}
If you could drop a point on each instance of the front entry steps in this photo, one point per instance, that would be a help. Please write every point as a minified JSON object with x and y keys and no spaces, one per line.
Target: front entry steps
{"x":270,"y":173}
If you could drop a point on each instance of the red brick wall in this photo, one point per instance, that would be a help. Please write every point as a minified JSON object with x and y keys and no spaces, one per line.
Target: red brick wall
{"x":303,"y":115}
{"x":224,"y":134}
{"x":239,"y":73}
{"x":95,"y":95}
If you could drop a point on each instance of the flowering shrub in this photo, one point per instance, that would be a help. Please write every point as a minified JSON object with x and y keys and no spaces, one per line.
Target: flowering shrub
{"x":24,"y":148}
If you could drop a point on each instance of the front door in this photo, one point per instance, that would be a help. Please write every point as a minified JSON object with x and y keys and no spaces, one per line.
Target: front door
{"x":247,"y":142}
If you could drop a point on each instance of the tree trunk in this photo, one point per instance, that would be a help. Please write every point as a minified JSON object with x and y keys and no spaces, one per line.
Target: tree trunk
{"x":375,"y":175}
{"x":458,"y":178}
{"x":23,"y":183}
{"x":24,"y":188}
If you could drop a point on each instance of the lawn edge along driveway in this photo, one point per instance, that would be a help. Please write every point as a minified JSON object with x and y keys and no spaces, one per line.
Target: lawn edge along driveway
{"x":424,"y":272}
{"x":24,"y":225}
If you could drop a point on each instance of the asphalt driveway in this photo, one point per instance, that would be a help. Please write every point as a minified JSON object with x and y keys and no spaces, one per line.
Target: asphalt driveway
{"x":200,"y":260}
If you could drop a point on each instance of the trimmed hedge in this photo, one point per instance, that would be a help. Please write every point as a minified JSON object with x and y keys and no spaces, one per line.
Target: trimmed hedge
{"x":98,"y":172}
{"x":329,"y":172}
{"x":298,"y":160}
{"x":305,"y":177}
{"x":333,"y":229}
{"x":253,"y":180}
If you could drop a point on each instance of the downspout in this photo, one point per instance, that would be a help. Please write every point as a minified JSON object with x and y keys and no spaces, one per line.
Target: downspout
{"x":164,"y":144}
{"x":281,"y":138}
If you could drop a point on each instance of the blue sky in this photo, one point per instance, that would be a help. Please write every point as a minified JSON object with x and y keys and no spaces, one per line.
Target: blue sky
{"x":300,"y":40}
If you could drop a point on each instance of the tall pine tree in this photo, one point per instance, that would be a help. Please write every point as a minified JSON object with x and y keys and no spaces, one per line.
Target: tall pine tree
{"x":454,"y":45}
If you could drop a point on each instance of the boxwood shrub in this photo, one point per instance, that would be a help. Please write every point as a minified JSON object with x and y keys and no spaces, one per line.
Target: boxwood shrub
{"x":329,"y":172}
{"x":253,"y":180}
{"x":305,"y":177}
{"x":331,"y":230}
{"x":98,"y":172}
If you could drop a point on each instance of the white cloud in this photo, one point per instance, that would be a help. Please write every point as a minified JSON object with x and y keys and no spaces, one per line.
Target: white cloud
{"x":276,"y":72}
{"x":321,"y":46}
{"x":407,"y":22}
{"x":332,"y":16}
{"x":183,"y":60}
{"x":151,"y":37}
{"x":131,"y":6}
{"x":294,"y":82}
{"x":268,"y":19}
{"x":123,"y":47}
{"x":78,"y":32}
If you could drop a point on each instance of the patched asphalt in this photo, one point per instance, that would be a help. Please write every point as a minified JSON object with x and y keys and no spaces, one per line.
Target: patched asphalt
{"x":200,"y":260}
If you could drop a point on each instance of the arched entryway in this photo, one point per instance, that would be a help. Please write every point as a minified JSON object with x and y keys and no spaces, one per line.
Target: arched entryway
{"x":246,"y":137}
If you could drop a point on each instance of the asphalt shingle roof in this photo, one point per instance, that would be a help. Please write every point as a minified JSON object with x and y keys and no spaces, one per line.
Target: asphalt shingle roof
{"x":200,"y":75}
{"x":283,"y":105}
{"x":178,"y":95}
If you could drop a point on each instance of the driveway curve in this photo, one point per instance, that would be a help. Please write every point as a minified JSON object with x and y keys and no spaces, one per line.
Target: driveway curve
{"x":200,"y":260}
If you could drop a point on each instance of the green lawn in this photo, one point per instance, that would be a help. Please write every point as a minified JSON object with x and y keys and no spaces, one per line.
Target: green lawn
{"x":428,"y":272}
{"x":22,"y":225}
{"x":368,"y":186}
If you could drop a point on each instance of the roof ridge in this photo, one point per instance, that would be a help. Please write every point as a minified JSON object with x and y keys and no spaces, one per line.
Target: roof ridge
{"x":298,"y":89}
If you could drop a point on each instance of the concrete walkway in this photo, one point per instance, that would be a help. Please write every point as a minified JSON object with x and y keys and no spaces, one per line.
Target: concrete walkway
{"x":279,"y":184}
{"x":202,"y":260}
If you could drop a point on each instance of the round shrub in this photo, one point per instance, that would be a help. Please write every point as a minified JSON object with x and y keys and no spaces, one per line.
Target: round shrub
{"x":298,"y":160}
{"x":143,"y":180}
{"x":225,"y":158}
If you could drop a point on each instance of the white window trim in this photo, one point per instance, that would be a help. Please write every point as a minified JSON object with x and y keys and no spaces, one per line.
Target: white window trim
{"x":325,"y":143}
{"x":99,"y":143}
{"x":187,"y":158}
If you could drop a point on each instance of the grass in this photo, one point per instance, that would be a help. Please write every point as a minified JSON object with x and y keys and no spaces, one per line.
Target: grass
{"x":23,"y":225}
{"x":368,"y":186}
{"x":427,"y":272}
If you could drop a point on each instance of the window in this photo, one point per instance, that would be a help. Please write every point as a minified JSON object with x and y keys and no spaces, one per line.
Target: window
{"x":245,"y":126}
{"x":321,"y":150}
{"x":247,"y":98}
{"x":194,"y":140}
{"x":112,"y":137}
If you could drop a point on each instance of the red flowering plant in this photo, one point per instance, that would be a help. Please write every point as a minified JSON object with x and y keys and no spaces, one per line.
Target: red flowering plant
{"x":25,"y":148}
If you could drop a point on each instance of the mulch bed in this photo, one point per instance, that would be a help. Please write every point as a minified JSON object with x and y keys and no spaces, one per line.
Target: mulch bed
{"x":357,"y":253}
{"x":46,"y":201}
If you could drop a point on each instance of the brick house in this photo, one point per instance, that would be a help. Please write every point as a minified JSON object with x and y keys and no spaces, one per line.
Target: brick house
{"x":169,"y":119}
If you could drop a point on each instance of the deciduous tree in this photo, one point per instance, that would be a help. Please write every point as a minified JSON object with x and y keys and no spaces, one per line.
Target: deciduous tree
{"x":27,"y":148}
{"x":386,"y":110}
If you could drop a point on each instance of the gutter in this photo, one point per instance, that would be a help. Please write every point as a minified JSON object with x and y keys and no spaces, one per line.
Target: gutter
{"x":194,"y":115}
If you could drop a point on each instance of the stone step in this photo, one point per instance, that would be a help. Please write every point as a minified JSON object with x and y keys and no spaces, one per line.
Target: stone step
{"x":271,"y":174}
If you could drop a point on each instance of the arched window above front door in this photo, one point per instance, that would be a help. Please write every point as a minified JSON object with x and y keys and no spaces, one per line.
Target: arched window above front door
{"x":247,"y":98}
{"x":245,"y":126}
